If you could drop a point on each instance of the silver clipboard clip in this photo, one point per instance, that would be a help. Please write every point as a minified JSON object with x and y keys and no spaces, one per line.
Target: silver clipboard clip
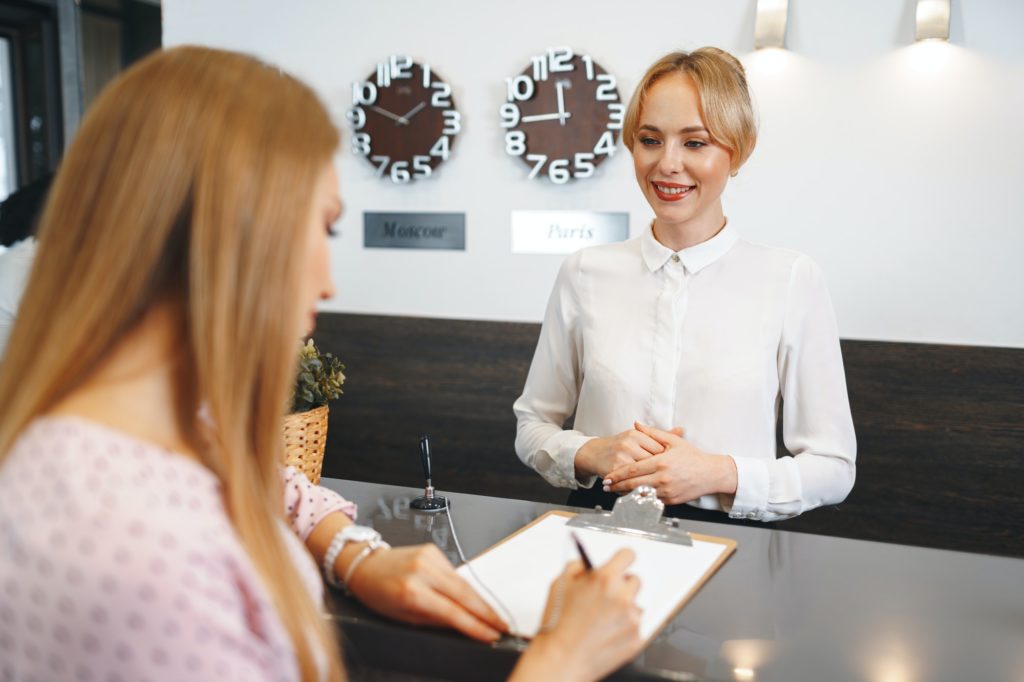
{"x":637,"y":514}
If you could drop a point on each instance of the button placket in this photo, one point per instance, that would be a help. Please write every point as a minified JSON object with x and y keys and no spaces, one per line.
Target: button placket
{"x":680,"y":303}
{"x":667,"y":337}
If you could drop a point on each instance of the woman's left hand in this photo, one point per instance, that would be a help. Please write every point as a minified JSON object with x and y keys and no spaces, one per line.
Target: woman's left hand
{"x":418,"y":585}
{"x":681,"y":473}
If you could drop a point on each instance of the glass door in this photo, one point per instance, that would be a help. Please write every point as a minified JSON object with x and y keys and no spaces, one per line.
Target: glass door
{"x":8,"y":149}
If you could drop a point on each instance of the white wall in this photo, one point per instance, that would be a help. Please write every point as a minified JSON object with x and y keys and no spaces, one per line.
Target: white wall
{"x":896,"y":166}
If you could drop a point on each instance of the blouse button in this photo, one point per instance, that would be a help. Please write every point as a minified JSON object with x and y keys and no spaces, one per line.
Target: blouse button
{"x":675,"y":257}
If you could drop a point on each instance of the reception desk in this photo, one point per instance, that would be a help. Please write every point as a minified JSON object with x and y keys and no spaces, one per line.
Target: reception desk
{"x":786,"y":606}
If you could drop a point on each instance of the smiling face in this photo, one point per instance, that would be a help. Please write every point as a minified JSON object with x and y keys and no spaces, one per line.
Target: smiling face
{"x":680,"y":169}
{"x":325,"y":210}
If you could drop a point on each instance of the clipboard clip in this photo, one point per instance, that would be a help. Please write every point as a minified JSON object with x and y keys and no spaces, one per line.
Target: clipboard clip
{"x":637,"y":514}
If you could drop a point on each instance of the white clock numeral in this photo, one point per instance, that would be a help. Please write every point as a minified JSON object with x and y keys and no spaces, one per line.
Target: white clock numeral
{"x":401,"y":66}
{"x":441,"y":148}
{"x":421,"y":166}
{"x":538,"y":162}
{"x":400,"y":172}
{"x":583,"y":166}
{"x":440,"y":98}
{"x":605,"y":144}
{"x":588,"y":61}
{"x":515,"y":142}
{"x":383,"y":75}
{"x":364,"y":92}
{"x":606,"y":89}
{"x":356,"y":117}
{"x":560,"y":59}
{"x":382,"y":164}
{"x":519,"y":88}
{"x":540,"y":68}
{"x":558,"y":171}
{"x":509,"y":115}
{"x":426,"y":75}
{"x":452,"y":122}
{"x":616,"y":115}
{"x":361,"y":144}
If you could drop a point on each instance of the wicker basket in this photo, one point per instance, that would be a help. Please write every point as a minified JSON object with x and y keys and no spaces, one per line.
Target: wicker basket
{"x":305,"y":435}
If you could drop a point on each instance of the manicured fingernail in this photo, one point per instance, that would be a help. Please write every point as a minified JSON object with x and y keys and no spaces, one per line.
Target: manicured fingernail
{"x":606,"y":481}
{"x":607,"y":489}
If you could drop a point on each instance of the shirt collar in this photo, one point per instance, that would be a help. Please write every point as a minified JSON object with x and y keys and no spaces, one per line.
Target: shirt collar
{"x":694,"y":258}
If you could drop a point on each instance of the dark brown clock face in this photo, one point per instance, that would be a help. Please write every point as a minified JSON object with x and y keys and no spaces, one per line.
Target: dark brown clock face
{"x":562,"y":115}
{"x":404,"y":119}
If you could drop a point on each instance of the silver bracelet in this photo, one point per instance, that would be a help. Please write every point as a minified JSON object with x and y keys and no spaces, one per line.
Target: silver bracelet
{"x":365,"y":552}
{"x":344,"y":536}
{"x":370,"y":548}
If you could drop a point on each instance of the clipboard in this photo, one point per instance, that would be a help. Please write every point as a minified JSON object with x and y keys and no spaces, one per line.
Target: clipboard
{"x":515,"y":574}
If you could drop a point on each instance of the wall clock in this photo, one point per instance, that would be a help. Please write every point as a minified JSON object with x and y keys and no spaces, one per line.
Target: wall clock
{"x":562,"y":115}
{"x":404,"y":120}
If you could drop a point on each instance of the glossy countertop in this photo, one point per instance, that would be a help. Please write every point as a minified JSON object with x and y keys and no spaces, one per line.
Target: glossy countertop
{"x":786,"y":606}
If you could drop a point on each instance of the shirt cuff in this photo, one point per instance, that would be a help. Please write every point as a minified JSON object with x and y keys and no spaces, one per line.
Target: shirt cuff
{"x":561,"y":453}
{"x":751,"y":496}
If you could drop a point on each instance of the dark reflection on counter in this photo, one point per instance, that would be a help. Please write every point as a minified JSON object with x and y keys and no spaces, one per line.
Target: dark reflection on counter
{"x":392,"y":517}
{"x":479,"y":521}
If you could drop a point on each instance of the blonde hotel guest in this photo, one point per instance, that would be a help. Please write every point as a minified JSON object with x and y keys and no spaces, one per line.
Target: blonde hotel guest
{"x":146,"y":528}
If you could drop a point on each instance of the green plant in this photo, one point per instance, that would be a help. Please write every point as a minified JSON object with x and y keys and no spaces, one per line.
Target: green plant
{"x":319,"y":378}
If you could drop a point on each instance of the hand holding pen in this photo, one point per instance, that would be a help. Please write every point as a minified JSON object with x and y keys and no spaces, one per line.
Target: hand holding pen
{"x":597,"y":625}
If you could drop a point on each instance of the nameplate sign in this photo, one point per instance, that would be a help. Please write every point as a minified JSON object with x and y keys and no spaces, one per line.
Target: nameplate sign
{"x":562,"y":232}
{"x":414,"y":230}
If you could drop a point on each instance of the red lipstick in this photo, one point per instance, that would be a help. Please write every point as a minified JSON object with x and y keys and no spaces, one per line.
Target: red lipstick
{"x":673,"y":193}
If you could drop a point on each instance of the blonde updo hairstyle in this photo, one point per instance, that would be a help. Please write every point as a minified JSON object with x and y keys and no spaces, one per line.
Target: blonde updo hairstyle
{"x":724,"y":103}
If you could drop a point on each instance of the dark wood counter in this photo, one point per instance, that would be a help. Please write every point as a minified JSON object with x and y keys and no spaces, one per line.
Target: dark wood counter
{"x":940,"y":429}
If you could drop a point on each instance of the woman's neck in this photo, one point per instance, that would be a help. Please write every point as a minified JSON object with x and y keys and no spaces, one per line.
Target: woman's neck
{"x":679,"y":236}
{"x":135,"y":389}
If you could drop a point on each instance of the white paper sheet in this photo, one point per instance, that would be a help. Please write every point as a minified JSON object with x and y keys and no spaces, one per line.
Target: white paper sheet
{"x":520,"y":571}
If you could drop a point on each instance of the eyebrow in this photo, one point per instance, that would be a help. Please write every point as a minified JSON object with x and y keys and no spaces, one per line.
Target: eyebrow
{"x":683,"y":131}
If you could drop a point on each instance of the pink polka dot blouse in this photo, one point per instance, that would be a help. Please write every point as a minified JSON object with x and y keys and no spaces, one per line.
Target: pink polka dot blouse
{"x":118,"y":562}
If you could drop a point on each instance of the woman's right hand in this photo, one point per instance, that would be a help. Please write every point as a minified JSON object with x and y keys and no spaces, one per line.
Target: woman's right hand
{"x":591,"y":624}
{"x":601,"y":456}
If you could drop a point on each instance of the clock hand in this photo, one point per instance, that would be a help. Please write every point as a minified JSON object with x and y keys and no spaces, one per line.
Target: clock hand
{"x":398,"y":119}
{"x":546,"y":117}
{"x":562,"y":113}
{"x":415,"y":110}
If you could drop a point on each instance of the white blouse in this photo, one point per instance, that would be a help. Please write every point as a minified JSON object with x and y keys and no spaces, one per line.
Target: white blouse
{"x":710,"y":338}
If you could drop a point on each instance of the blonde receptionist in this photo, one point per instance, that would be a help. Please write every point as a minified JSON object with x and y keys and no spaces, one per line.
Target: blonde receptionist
{"x":678,"y":348}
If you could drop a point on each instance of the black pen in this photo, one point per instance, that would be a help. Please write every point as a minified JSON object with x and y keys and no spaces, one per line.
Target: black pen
{"x":583,"y":553}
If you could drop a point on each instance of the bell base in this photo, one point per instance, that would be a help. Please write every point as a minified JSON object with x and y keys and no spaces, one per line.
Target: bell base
{"x":430,"y":504}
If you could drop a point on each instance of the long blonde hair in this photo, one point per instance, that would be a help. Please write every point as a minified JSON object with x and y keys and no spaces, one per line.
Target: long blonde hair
{"x":190,"y":180}
{"x":725,"y":102}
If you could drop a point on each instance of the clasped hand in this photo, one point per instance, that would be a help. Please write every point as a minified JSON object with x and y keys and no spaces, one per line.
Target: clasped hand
{"x":678,"y":471}
{"x":600,"y":456}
